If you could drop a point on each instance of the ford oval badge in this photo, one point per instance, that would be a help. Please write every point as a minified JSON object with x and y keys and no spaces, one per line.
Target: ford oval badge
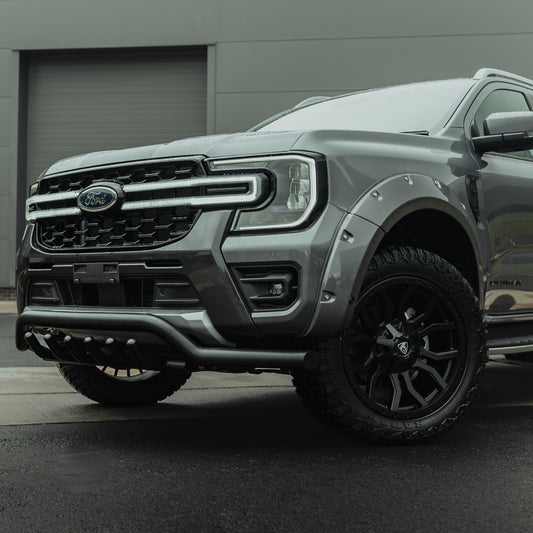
{"x":97,"y":198}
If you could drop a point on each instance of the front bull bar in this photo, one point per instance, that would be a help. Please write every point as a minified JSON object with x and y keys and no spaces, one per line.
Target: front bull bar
{"x":196,"y":356}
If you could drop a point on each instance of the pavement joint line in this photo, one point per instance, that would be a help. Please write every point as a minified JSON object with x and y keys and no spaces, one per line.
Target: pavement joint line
{"x":35,"y":393}
{"x":177,"y":392}
{"x":144,"y":418}
{"x":239,"y":387}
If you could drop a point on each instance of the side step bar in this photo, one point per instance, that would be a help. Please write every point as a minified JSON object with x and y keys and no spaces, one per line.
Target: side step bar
{"x":508,"y":349}
{"x":185,"y":348}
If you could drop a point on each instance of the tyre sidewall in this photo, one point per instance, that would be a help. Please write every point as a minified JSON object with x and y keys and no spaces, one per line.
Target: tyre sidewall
{"x":102,"y":388}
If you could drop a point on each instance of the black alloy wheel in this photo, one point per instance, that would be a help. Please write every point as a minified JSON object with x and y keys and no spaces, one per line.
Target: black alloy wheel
{"x":404,"y":351}
{"x":409,"y":362}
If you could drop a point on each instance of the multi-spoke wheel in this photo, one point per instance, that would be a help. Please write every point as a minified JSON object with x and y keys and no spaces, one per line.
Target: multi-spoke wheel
{"x":408,"y":364}
{"x":122,"y":387}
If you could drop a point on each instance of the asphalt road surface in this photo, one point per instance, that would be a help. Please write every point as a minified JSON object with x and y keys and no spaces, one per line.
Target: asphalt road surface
{"x":240,"y":453}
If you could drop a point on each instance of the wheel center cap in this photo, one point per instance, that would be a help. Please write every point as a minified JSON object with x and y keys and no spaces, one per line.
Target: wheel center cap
{"x":403,"y":349}
{"x":399,"y":353}
{"x":403,"y":354}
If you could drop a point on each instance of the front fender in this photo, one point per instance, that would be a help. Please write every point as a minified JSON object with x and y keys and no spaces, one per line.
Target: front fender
{"x":361,"y":233}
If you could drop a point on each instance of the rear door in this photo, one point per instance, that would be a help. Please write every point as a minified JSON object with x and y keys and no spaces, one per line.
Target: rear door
{"x":506,"y":203}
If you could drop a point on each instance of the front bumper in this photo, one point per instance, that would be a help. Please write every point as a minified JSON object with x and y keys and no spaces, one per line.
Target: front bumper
{"x":330,"y":255}
{"x":205,"y":257}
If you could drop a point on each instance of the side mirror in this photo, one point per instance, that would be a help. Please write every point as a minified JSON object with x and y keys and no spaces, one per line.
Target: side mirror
{"x":506,"y":132}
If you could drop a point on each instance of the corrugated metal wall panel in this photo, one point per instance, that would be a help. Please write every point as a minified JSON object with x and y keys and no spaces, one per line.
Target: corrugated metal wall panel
{"x":84,"y":102}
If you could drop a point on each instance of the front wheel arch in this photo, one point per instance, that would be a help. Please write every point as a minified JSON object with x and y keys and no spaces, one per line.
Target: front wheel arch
{"x":394,"y":203}
{"x":438,"y":232}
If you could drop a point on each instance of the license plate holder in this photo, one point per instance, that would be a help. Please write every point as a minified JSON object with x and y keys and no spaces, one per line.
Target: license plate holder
{"x":95,"y":273}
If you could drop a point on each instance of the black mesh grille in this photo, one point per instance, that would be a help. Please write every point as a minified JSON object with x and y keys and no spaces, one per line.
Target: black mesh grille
{"x":115,"y":228}
{"x":153,"y":227}
{"x":146,"y":173}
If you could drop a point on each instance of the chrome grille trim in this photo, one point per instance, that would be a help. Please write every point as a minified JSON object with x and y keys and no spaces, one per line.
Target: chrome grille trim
{"x":50,"y":213}
{"x":192,"y":182}
{"x":254,"y":183}
{"x":54,"y":197}
{"x":254,"y":193}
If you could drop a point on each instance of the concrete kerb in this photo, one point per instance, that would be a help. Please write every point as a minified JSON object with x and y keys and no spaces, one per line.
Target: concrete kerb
{"x":8,"y":307}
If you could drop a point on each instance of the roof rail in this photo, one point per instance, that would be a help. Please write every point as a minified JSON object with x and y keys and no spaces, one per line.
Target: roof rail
{"x":311,"y":100}
{"x":483,"y":73}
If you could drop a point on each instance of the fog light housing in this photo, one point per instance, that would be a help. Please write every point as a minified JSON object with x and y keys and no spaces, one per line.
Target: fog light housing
{"x":43,"y":293}
{"x":267,"y":287}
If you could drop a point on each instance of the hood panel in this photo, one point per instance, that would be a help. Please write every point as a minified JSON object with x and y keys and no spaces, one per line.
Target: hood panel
{"x":230,"y":145}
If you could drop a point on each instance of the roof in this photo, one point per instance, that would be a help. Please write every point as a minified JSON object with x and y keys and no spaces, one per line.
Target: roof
{"x":484,"y":73}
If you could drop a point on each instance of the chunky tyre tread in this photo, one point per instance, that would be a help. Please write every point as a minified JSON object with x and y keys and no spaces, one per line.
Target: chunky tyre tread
{"x":321,"y":392}
{"x":95,"y":385}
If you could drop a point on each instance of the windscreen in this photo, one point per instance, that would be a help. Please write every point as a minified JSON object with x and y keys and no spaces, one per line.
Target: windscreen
{"x":416,"y":107}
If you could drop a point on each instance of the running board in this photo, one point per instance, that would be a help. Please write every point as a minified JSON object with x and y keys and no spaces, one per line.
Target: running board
{"x":510,"y":345}
{"x":508,"y":350}
{"x":510,"y":334}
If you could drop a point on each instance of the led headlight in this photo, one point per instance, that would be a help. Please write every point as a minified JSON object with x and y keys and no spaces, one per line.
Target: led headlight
{"x":34,"y":189}
{"x":295,"y":190}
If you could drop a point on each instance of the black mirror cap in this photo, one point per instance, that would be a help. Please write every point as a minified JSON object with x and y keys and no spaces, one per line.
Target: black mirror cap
{"x":506,"y":132}
{"x":508,"y":142}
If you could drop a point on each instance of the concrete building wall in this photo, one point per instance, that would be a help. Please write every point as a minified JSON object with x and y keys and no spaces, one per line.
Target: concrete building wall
{"x":262,"y":56}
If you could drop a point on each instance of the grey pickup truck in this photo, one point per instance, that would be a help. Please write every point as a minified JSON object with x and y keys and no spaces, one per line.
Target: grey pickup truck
{"x":375,"y":245}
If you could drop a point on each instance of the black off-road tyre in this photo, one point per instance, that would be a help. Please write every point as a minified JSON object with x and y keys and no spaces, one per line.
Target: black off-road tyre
{"x":410,"y":361}
{"x":144,"y":388}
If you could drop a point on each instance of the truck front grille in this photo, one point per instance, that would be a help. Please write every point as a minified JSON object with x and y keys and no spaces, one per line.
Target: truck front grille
{"x":157,"y":202}
{"x":120,"y":229}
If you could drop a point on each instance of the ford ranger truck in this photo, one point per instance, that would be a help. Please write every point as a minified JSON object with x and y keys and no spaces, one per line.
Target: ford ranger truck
{"x":375,"y":245}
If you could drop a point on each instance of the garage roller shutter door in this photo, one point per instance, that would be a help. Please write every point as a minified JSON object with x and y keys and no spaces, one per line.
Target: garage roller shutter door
{"x":84,"y":102}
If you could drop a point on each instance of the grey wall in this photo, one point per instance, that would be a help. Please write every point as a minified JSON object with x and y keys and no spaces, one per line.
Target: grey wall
{"x":263,"y":56}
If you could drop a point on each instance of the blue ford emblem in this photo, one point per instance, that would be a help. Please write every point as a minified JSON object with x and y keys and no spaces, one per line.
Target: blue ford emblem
{"x":97,"y":198}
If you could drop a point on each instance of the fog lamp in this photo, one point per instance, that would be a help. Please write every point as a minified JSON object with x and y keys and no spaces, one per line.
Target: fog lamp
{"x":275,"y":289}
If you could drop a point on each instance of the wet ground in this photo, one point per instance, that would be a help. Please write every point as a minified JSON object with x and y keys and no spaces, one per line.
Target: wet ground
{"x":241,"y":453}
